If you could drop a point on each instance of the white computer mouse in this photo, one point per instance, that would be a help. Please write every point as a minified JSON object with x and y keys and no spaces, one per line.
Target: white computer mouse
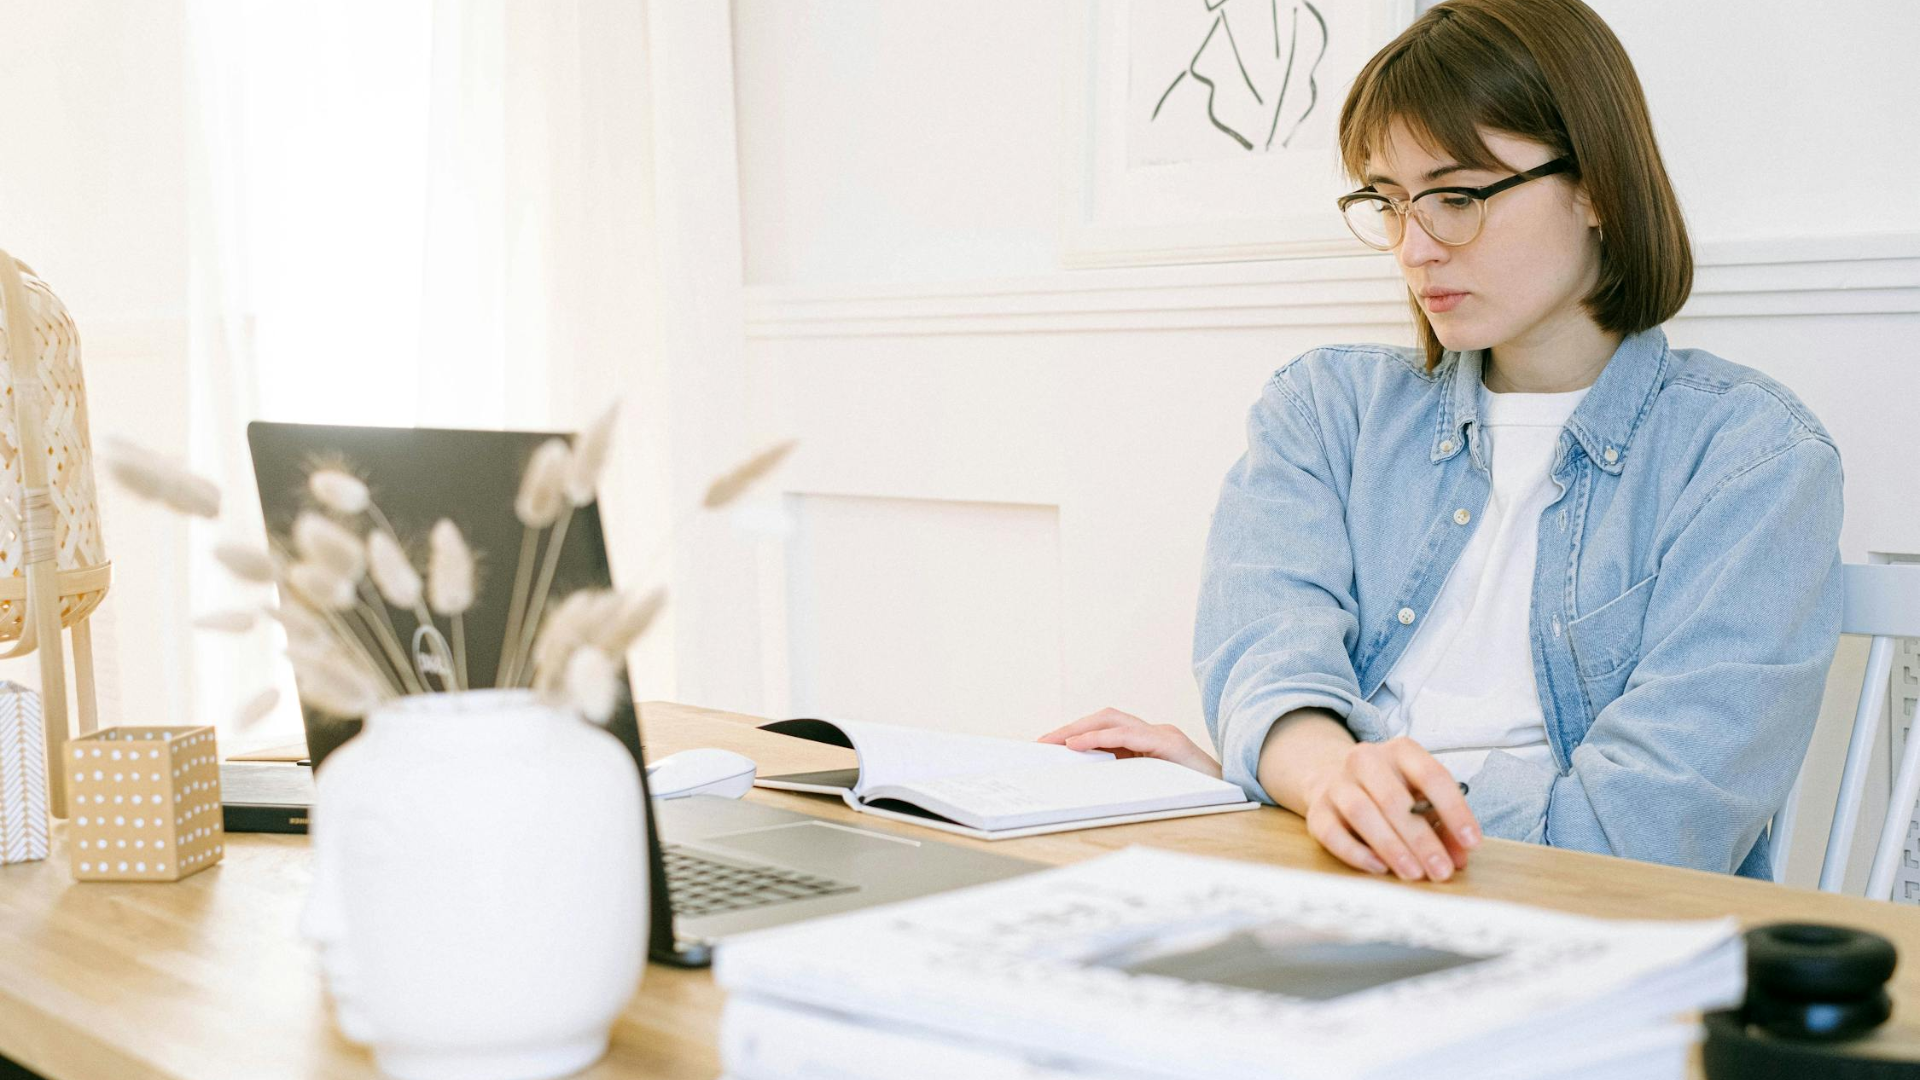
{"x":705,"y":771}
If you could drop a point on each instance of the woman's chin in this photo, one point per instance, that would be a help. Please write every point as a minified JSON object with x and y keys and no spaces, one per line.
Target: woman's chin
{"x":1461,"y":335}
{"x":1461,"y":342}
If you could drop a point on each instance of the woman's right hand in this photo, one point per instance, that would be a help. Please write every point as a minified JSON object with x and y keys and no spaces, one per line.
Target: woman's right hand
{"x":1360,"y":810}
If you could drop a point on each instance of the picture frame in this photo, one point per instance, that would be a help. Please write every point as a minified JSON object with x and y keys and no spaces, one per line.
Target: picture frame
{"x":1206,"y":130}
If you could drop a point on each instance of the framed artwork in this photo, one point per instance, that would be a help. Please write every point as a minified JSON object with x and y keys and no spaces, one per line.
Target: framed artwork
{"x":1205,"y":130}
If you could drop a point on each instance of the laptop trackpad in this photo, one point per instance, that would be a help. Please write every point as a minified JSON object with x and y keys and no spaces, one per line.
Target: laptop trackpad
{"x":818,"y":846}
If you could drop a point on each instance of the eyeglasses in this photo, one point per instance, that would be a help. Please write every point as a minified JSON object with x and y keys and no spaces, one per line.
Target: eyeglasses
{"x":1451,"y":215}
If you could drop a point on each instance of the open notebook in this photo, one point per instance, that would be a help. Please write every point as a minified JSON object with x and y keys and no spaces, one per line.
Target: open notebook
{"x":996,"y":789}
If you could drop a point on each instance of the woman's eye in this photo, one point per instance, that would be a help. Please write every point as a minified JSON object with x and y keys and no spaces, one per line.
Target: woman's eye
{"x":1456,"y":202}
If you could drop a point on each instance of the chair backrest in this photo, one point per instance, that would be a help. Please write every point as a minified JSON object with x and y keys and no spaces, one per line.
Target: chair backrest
{"x":1882,"y":600}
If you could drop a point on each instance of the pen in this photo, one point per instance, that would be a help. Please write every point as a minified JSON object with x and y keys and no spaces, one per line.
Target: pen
{"x":1422,"y":806}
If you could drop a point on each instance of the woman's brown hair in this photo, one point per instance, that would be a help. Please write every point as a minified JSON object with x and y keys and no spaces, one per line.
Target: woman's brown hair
{"x":1550,"y":71}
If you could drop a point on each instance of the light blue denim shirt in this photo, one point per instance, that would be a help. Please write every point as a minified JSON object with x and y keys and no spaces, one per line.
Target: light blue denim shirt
{"x":1686,"y":593}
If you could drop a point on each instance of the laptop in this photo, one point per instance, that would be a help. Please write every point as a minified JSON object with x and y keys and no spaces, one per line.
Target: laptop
{"x":718,"y":866}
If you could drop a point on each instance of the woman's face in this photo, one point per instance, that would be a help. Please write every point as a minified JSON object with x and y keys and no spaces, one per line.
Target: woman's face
{"x":1521,"y":280}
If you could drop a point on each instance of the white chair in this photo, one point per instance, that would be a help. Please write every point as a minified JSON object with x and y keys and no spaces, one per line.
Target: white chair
{"x":1882,"y":600}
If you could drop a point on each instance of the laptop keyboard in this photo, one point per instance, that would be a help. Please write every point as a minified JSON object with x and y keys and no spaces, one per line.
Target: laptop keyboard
{"x":699,"y":884}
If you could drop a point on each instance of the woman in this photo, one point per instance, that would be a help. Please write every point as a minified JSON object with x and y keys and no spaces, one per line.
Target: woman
{"x":1592,"y":576}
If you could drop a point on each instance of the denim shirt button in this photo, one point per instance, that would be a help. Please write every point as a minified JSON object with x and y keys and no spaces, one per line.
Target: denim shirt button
{"x":1406,"y":616}
{"x":1446,"y":447}
{"x":1611,"y":455}
{"x":1461,"y":517}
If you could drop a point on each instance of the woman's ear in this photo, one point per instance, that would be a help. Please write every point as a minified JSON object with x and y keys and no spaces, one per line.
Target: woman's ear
{"x":1584,"y":206}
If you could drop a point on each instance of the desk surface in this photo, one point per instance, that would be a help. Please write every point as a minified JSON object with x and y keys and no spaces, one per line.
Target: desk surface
{"x":208,"y":980}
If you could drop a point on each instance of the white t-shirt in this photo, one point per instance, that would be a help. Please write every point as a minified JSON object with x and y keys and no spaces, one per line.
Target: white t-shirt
{"x":1465,"y":685}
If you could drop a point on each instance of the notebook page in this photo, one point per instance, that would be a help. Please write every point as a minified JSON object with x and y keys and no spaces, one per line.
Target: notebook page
{"x":1024,"y":797}
{"x":891,"y":754}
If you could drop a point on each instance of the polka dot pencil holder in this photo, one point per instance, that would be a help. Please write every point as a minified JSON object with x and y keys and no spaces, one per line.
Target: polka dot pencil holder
{"x":145,"y":803}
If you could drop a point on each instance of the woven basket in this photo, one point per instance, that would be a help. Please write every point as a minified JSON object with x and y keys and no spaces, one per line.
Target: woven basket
{"x":81,"y":557}
{"x":53,"y":566}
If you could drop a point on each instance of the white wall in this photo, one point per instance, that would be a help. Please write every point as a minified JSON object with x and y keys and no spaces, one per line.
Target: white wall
{"x":96,"y":201}
{"x":922,"y":141}
{"x":1049,"y":442}
{"x":1772,"y":115}
{"x":889,"y":141}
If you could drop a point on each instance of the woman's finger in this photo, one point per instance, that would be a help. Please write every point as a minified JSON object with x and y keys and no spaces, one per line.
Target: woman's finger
{"x":1332,"y":834}
{"x":1454,"y":850}
{"x":1105,"y":718}
{"x":1388,"y":789}
{"x":1363,"y":817}
{"x":1431,"y":780}
{"x":1147,"y":741}
{"x":1140,"y":740}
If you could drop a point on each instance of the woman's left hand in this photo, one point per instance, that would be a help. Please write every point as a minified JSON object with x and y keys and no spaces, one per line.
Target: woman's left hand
{"x":1126,"y":735}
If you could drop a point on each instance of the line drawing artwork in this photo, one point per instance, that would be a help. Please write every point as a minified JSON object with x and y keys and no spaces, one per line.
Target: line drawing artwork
{"x":1250,"y":97}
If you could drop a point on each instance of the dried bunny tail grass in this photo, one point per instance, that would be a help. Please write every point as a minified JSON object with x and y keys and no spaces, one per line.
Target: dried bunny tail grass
{"x":391,"y":571}
{"x":735,"y":483}
{"x":340,"y":491}
{"x":543,"y":489}
{"x":568,"y":627}
{"x":630,"y":616}
{"x":227,"y":622}
{"x":592,"y":683}
{"x":303,"y":626}
{"x":321,"y":586}
{"x":330,"y":681}
{"x":449,"y":570}
{"x":590,"y":457}
{"x":257,"y":708}
{"x":246,"y":562}
{"x":541,"y":503}
{"x":158,"y":479}
{"x":319,"y":539}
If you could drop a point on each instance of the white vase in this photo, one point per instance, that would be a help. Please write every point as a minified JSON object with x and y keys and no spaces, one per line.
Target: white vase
{"x":480,"y":887}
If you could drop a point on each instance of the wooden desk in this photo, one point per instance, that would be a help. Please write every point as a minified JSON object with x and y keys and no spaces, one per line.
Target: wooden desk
{"x":208,"y":980}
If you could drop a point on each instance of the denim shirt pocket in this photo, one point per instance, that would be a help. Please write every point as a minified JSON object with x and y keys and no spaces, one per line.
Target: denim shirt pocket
{"x":1606,"y":642}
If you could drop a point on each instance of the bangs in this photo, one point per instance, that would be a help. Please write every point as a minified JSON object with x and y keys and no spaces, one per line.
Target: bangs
{"x":1446,"y":82}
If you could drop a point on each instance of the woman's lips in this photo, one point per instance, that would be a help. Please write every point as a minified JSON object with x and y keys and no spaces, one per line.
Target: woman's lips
{"x":1442,"y":301}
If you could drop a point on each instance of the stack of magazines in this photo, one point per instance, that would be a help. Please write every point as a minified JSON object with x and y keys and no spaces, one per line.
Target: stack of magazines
{"x":1147,"y":965}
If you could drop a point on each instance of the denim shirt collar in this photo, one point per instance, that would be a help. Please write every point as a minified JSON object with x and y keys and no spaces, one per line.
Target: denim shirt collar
{"x":1604,"y":423}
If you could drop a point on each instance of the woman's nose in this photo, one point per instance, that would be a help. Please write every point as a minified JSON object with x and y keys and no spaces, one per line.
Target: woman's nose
{"x":1416,"y":247}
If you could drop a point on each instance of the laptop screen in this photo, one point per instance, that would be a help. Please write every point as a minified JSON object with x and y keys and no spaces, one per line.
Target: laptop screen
{"x":418,"y":476}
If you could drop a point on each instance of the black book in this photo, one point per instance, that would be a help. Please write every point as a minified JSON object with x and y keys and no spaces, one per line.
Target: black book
{"x":265,"y":796}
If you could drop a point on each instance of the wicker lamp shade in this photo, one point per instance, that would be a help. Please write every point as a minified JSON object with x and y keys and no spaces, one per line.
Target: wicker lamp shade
{"x":53,"y":566}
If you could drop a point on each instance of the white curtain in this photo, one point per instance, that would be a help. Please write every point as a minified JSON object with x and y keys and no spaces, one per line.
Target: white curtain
{"x":387,"y":228}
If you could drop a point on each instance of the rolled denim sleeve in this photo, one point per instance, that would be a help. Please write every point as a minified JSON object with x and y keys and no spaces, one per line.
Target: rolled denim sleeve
{"x":1702,"y":745}
{"x":1277,"y":620}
